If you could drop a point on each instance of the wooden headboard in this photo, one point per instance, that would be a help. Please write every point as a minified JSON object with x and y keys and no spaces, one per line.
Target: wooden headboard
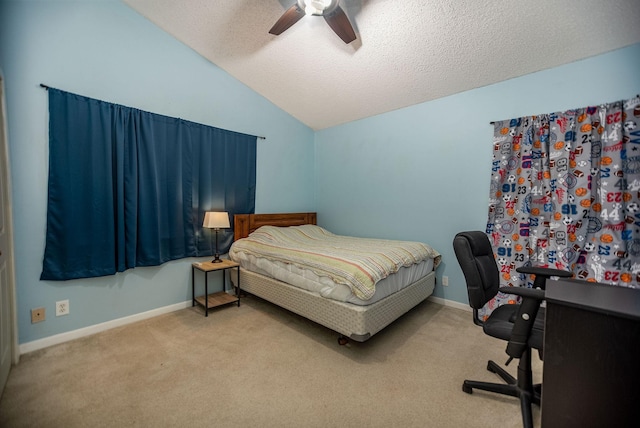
{"x":244,"y":224}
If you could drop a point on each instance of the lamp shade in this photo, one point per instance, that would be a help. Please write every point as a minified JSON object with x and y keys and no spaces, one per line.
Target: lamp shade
{"x":216,"y":220}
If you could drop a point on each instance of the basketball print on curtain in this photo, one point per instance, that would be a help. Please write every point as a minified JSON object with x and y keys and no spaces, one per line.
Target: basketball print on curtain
{"x":565,"y":193}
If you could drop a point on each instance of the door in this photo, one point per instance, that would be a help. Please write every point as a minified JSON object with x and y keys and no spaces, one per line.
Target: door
{"x":8,"y":346}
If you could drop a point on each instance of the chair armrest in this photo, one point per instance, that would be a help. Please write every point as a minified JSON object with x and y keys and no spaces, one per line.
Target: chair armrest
{"x":535,"y":270}
{"x":542,"y":274}
{"x":525,"y":318}
{"x":528,"y":293}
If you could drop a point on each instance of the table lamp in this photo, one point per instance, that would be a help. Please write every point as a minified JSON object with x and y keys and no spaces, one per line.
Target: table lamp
{"x":216,"y":221}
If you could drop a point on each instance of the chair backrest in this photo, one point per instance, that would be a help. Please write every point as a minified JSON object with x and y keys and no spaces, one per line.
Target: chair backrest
{"x":475,"y":256}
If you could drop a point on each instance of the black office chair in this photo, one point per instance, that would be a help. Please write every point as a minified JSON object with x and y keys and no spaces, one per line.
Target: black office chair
{"x":522,"y":325}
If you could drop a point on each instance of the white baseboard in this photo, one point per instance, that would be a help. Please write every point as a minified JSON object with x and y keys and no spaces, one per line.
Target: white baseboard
{"x":97,"y":328}
{"x":450,"y":303}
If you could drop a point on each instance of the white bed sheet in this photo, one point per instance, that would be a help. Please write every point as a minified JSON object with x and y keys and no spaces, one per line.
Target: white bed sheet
{"x":327,"y":288}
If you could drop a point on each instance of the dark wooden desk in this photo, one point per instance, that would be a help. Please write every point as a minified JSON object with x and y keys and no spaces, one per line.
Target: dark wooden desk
{"x":591,"y":374}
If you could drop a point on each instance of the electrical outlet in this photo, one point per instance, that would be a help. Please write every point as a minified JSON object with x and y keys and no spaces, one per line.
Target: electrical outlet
{"x":37,"y":315}
{"x":445,"y":281}
{"x":62,"y":307}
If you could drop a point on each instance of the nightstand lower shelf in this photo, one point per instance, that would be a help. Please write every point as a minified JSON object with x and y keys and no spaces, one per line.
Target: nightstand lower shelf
{"x":216,"y":299}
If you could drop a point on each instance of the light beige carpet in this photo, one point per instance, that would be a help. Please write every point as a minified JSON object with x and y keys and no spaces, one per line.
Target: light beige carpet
{"x":261,"y":366}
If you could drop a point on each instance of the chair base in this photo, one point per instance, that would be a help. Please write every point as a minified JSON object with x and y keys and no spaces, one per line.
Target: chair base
{"x":522,"y":387}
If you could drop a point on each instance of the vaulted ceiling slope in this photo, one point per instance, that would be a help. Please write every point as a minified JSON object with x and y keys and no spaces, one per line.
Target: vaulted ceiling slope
{"x":406,"y":52}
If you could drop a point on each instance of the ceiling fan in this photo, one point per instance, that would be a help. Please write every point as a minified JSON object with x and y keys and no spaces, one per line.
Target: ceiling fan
{"x":329,"y":9}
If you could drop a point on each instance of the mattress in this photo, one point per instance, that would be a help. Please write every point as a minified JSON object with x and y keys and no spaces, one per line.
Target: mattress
{"x":361,"y":271}
{"x":325,"y":287}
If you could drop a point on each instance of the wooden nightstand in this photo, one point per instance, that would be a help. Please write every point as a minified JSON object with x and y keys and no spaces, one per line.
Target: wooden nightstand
{"x":209,"y":301}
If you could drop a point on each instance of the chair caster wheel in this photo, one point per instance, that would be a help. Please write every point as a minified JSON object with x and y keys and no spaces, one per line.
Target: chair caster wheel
{"x":466,"y":388}
{"x":342,"y":341}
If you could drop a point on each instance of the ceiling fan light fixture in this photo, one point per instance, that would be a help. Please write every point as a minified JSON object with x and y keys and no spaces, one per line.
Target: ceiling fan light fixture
{"x":317,"y":7}
{"x":310,"y":10}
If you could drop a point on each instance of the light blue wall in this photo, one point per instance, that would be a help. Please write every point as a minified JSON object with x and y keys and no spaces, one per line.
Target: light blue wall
{"x":423,"y":172}
{"x":417,"y":173}
{"x":105,"y":50}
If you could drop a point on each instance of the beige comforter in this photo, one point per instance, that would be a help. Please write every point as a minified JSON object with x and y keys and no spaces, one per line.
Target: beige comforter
{"x":356,"y":262}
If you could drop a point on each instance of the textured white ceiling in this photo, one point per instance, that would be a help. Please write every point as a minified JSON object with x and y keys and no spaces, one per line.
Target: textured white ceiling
{"x":407,"y":51}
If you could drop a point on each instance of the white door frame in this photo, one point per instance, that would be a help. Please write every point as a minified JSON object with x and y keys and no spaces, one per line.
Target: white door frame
{"x":9,"y":249}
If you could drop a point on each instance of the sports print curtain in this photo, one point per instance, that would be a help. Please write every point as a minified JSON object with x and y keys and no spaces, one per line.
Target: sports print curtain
{"x":565,"y":193}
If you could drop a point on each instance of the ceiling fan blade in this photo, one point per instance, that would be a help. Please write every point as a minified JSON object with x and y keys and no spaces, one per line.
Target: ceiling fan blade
{"x":340,"y":24}
{"x":290,"y":17}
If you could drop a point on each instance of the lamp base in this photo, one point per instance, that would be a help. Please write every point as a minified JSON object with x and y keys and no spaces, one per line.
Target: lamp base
{"x":217,"y":258}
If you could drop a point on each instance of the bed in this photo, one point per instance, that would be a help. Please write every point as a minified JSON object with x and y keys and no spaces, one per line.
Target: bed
{"x":355,"y":315}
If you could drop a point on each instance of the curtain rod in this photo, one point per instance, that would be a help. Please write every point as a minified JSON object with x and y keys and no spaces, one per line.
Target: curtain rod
{"x":259,"y":137}
{"x":492,"y":123}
